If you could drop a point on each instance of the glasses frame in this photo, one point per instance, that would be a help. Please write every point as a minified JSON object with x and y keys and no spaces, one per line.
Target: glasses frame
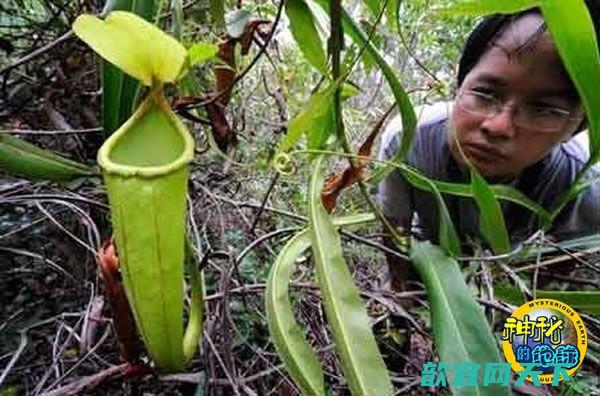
{"x":497,"y":105}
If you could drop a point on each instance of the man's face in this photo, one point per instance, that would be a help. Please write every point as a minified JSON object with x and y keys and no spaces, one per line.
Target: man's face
{"x":532,"y":78}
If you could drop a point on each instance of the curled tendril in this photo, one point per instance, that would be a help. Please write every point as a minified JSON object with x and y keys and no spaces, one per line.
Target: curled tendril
{"x":284,"y":164}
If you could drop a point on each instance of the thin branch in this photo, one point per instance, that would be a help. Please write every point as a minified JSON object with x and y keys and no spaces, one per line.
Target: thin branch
{"x":51,"y":132}
{"x":15,"y":357}
{"x":264,"y":202}
{"x":89,"y":382}
{"x":40,"y":51}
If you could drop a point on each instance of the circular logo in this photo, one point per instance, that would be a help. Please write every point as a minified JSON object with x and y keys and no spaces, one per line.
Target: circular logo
{"x":544,"y":334}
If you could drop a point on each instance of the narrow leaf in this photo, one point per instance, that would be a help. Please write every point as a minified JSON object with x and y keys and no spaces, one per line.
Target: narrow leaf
{"x":177,"y":19}
{"x":217,"y":14}
{"x":134,"y":45}
{"x":573,"y":34}
{"x":296,"y":353}
{"x":362,"y":363}
{"x":460,"y":330}
{"x":583,"y":301}
{"x":448,"y":237}
{"x":312,"y":119}
{"x":574,"y":192}
{"x":506,"y":193}
{"x":374,"y":7}
{"x":482,"y":7}
{"x":491,"y":218}
{"x":305,"y":33}
{"x":300,"y":360}
{"x":24,"y":158}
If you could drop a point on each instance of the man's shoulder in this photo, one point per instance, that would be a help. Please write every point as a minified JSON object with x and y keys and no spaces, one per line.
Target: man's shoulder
{"x":576,"y":149}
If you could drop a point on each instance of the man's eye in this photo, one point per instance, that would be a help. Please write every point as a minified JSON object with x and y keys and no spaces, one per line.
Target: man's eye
{"x":548,"y":112}
{"x":484,"y":91}
{"x":484,"y":97}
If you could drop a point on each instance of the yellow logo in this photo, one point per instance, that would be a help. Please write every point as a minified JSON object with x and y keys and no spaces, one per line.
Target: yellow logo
{"x":546,"y":338}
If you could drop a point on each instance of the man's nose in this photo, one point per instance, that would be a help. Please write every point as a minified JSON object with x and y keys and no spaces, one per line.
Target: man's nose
{"x":500,"y":124}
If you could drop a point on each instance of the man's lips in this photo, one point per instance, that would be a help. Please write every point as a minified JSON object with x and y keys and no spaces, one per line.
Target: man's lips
{"x":484,"y":152}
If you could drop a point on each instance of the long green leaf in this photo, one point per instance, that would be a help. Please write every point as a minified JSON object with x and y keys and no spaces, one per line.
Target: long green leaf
{"x":296,"y":353}
{"x":491,"y":218}
{"x":306,"y":35}
{"x":24,"y":158}
{"x":407,"y":113}
{"x":374,"y":6}
{"x":481,"y":7}
{"x":448,"y":237}
{"x":217,"y":14}
{"x":119,"y":90}
{"x":583,"y":301}
{"x":361,"y":361}
{"x":193,"y":331}
{"x":460,"y":330}
{"x":177,"y":19}
{"x":506,"y":193}
{"x":300,"y":361}
{"x":573,"y":34}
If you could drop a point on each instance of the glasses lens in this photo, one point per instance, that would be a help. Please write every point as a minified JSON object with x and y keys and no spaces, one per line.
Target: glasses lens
{"x":477,"y":103}
{"x":541,"y":118}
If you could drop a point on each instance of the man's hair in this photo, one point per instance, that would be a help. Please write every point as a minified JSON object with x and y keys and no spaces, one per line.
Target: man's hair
{"x":494,"y":25}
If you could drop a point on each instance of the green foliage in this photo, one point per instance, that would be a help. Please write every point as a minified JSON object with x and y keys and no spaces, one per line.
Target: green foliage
{"x":491,"y":218}
{"x":362,"y":364}
{"x":301,"y":362}
{"x":409,"y":120}
{"x":447,"y":237}
{"x":23,"y":158}
{"x":503,"y":192}
{"x":460,"y":330}
{"x":306,"y":35}
{"x":583,"y":301}
{"x":315,"y":120}
{"x":201,"y":53}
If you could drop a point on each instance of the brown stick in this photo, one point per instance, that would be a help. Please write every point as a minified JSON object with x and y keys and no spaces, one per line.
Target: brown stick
{"x":89,"y":382}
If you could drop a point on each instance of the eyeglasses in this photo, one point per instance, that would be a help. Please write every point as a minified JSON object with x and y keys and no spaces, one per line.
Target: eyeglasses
{"x":540,"y":118}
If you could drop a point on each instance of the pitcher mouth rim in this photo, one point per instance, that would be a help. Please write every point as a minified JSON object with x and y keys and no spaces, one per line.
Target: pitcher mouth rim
{"x":156,"y":98}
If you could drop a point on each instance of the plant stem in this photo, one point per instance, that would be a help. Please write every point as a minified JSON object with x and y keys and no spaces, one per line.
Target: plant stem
{"x":335,"y":48}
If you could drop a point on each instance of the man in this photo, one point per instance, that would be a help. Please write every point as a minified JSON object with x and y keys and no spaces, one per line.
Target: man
{"x":513,"y":118}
